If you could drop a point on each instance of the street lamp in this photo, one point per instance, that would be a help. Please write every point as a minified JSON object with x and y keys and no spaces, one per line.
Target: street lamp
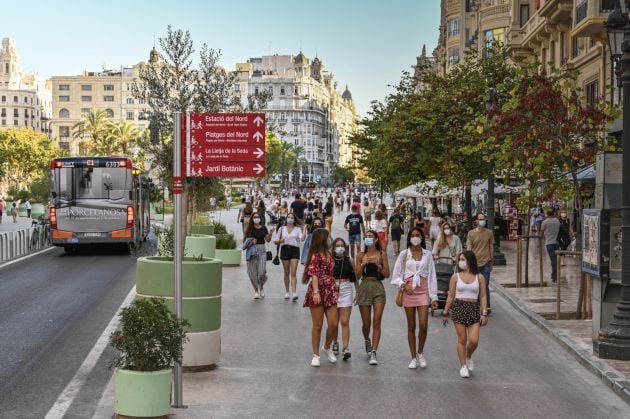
{"x":614,"y":339}
{"x":615,"y":24}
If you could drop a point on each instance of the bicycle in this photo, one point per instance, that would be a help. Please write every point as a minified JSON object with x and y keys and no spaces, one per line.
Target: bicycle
{"x":40,"y":236}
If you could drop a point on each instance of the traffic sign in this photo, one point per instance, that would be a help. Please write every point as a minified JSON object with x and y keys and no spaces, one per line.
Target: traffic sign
{"x":212,"y":138}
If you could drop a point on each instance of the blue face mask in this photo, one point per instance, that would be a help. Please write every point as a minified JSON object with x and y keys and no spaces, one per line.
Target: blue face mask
{"x":369,"y":241}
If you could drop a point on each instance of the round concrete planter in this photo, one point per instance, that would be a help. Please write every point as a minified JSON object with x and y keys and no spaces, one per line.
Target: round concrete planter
{"x":201,"y":244}
{"x":201,"y":305}
{"x":229,"y":257}
{"x":203,"y":229}
{"x":143,"y":394}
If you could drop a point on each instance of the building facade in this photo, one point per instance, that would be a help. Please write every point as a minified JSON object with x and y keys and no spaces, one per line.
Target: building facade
{"x":560,"y":34}
{"x":74,"y":96}
{"x":305,"y":109}
{"x":25,"y":100}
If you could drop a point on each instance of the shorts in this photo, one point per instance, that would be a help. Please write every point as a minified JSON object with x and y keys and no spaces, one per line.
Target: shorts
{"x":371,"y":291}
{"x":382,"y":238}
{"x":354,"y":238}
{"x":465,"y":312}
{"x":346,"y":294}
{"x":396,"y":235}
{"x":288,"y":252}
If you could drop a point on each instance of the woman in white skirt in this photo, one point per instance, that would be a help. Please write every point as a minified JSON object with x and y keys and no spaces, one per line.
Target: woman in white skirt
{"x":345,"y":278}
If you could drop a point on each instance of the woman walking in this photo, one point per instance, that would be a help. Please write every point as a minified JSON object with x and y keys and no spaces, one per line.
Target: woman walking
{"x":257,"y":266}
{"x":381,"y":226}
{"x":246,"y":214}
{"x":345,"y":278}
{"x":321,"y":294}
{"x":434,"y":226}
{"x":317,"y":223}
{"x":414,"y":275}
{"x":466,"y":290}
{"x":447,"y":246}
{"x":328,"y":214}
{"x":289,"y":238}
{"x":372,"y":267}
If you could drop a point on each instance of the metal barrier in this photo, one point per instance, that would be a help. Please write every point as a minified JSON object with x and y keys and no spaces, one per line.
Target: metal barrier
{"x":583,"y":310}
{"x":519,"y":261}
{"x":14,"y":244}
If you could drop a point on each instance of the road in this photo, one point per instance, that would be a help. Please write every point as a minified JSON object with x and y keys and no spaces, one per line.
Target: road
{"x":53,"y":308}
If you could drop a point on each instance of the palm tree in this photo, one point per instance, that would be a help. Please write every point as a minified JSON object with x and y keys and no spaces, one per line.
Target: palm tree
{"x":94,"y":124}
{"x":124,"y":136}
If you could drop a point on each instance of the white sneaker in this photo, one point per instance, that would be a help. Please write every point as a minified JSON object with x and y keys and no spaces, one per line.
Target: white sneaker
{"x":463,"y":372}
{"x":286,"y":296}
{"x":422,"y":361}
{"x":470,"y":364}
{"x":413,"y":364}
{"x":262,"y":293}
{"x":315,"y":361}
{"x":295,"y":297}
{"x":331,"y":355}
{"x":256,"y":295}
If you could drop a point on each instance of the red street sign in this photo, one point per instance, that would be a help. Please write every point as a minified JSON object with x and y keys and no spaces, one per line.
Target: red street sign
{"x":237,"y":138}
{"x":227,"y":169}
{"x":178,"y":185}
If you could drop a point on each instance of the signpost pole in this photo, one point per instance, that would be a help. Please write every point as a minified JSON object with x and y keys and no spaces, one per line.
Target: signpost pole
{"x":177,"y":216}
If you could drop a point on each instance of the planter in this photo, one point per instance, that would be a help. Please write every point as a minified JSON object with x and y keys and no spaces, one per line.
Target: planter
{"x":203,"y":229}
{"x":229,"y":257}
{"x":201,"y":244}
{"x":201,"y":305}
{"x":37,"y":210}
{"x":143,"y":394}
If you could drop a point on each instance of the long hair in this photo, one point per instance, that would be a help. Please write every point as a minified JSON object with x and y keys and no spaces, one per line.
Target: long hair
{"x":377,"y":242}
{"x":441,"y":241}
{"x":345,"y":245}
{"x":423,"y":243}
{"x":319,"y":244}
{"x":250,"y":227}
{"x":379,"y":215}
{"x":471,"y":260}
{"x":249,"y":209}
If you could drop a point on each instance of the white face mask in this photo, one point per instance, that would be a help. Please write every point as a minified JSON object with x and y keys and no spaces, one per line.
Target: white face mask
{"x":482,"y":223}
{"x":256,"y":220}
{"x":447,"y":232}
{"x":290,"y":220}
{"x":463,"y":265}
{"x":340,"y":250}
{"x":415,"y":241}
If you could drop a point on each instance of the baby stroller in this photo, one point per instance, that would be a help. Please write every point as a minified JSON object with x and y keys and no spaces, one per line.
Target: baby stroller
{"x":444,"y":269}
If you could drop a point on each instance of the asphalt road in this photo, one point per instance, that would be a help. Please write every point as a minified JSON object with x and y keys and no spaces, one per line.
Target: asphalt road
{"x":53,"y":308}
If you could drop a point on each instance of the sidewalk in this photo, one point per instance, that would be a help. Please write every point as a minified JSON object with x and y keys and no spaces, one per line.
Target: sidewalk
{"x":539,"y":305}
{"x":8,"y":224}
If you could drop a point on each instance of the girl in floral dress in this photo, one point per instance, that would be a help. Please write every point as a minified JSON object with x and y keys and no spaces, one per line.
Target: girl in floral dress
{"x":321,"y":294}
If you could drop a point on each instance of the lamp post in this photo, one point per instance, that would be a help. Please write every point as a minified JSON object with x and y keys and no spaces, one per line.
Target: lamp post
{"x":613,"y":341}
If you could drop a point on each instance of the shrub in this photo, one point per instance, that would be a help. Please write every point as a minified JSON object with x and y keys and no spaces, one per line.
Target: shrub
{"x":226,"y":241}
{"x":219,"y":228}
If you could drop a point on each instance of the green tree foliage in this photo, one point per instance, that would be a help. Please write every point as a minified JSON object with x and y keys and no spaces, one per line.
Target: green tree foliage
{"x":342,"y":174}
{"x":25,"y":155}
{"x":281,"y":156}
{"x":93,"y":127}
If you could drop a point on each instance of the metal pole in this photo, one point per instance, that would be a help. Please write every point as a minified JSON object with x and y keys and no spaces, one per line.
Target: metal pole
{"x":540,"y":260}
{"x":614,"y":339}
{"x":558,"y":286}
{"x":177,"y":286}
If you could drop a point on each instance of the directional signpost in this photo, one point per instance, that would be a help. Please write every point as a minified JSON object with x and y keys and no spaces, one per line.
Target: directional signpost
{"x":210,"y":145}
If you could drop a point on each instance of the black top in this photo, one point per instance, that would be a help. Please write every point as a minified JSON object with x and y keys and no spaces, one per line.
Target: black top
{"x":354,"y":222}
{"x":298,"y":207}
{"x":343,"y":269}
{"x":392,"y":225}
{"x":259,"y":234}
{"x":370,"y":270}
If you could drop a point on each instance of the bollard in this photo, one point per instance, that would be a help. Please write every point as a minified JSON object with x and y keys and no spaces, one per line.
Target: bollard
{"x":519,"y":261}
{"x":540,"y":259}
{"x":558,"y":272}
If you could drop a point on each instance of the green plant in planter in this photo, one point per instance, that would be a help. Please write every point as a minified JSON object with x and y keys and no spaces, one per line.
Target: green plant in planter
{"x":201,"y":220}
{"x":219,"y":228}
{"x":166,"y":244}
{"x":226,"y":241}
{"x":150,"y":338}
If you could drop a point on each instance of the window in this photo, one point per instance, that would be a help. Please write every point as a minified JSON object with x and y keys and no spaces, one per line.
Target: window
{"x":86,"y":98}
{"x":270,"y":90}
{"x":85,"y":111}
{"x":15,"y":113}
{"x":15,"y":122}
{"x":86,"y":87}
{"x":492,"y":37}
{"x":108,"y":87}
{"x":130,"y":116}
{"x":128,"y":86}
{"x":4,"y":98}
{"x":110,"y":113}
{"x":282,"y":91}
{"x":64,"y":132}
{"x":64,"y":87}
{"x":453,"y":27}
{"x":295,"y":91}
{"x":108,"y":98}
{"x":453,"y":56}
{"x":64,"y":98}
{"x":15,"y":99}
{"x":524,"y":14}
{"x":6,"y":68}
{"x":592,"y":93}
{"x":26,"y":113}
{"x":256,"y":90}
{"x":26,"y":100}
{"x":4,"y":122}
{"x":237,"y":87}
{"x":130,"y":101}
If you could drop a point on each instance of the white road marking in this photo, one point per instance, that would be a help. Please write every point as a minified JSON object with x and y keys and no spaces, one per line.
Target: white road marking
{"x":27,"y":256}
{"x":67,"y":396}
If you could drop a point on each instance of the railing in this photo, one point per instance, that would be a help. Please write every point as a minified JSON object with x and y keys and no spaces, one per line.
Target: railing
{"x":607,"y":6}
{"x":14,"y":244}
{"x":501,"y":9}
{"x":581,"y":10}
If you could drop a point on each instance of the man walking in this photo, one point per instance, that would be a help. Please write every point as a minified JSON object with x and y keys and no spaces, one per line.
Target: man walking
{"x":297,"y":208}
{"x":481,"y":241}
{"x":28,"y":207}
{"x":549,"y":229}
{"x":396,"y":228}
{"x":355,"y":228}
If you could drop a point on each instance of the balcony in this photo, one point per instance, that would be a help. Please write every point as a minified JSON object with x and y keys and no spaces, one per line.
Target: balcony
{"x":493,"y":12}
{"x":557,"y":10}
{"x":590,"y":16}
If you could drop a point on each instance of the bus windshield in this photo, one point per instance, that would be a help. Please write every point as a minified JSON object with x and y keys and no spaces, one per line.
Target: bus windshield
{"x":91,"y":183}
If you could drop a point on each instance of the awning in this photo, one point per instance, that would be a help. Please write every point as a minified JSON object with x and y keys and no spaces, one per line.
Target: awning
{"x":428,"y":189}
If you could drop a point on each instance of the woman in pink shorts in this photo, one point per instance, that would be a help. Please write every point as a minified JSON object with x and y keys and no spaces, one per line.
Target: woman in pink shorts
{"x":414,"y":275}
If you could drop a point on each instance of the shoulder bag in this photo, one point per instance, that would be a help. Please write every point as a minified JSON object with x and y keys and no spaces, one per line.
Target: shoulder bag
{"x":399,"y":294}
{"x":276,"y":260}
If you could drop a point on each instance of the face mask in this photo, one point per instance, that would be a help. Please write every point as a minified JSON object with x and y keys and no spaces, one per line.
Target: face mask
{"x":563,"y":214}
{"x":340,"y":250}
{"x":256,"y":220}
{"x":482,"y":223}
{"x":369,"y":241}
{"x":290,"y":220}
{"x":447,"y":232}
{"x":415,"y":241}
{"x":462,"y":265}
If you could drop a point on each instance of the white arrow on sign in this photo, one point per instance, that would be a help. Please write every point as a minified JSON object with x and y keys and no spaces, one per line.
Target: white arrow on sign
{"x":259,"y":169}
{"x":258,"y":120}
{"x":258,"y":136}
{"x":258,"y":153}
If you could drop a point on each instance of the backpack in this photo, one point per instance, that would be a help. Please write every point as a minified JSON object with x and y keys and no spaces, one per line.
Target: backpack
{"x":395,"y":224}
{"x":564,"y":238}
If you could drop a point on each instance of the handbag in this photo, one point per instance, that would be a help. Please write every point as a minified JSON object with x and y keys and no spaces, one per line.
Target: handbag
{"x":276,"y":260}
{"x":269,"y":255}
{"x":399,"y":294}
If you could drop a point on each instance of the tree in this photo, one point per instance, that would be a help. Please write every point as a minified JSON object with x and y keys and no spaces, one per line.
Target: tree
{"x":281,"y":156}
{"x":94,"y":124}
{"x":342,"y":174}
{"x":25,"y":155}
{"x":123,"y":136}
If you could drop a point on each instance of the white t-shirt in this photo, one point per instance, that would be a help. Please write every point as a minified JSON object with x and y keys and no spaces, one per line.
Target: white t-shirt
{"x":378,"y":225}
{"x":292,"y":239}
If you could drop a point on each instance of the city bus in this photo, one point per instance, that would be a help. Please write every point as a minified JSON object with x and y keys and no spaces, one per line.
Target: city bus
{"x":98,"y":200}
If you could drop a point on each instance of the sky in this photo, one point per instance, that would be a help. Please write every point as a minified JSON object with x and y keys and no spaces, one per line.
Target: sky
{"x":364,"y":43}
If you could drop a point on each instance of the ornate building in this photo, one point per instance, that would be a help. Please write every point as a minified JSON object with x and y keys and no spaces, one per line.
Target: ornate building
{"x":305,"y":109}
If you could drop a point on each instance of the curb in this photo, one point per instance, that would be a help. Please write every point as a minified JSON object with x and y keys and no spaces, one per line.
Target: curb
{"x":605,"y":373}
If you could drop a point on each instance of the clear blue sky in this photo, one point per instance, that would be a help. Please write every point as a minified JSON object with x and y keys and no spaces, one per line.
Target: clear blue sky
{"x":365,"y":43}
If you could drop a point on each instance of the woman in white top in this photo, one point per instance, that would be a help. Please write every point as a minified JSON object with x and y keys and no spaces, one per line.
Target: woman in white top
{"x":414,"y":274}
{"x":289,"y":238}
{"x":380,"y":225}
{"x":466,"y":289}
{"x":447,"y":246}
{"x":434,"y":226}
